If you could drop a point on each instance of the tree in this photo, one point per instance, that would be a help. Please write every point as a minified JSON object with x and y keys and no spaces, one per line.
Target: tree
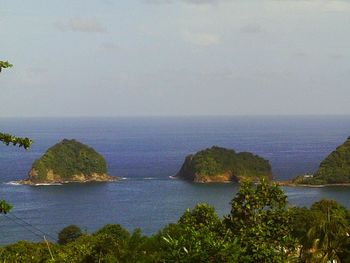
{"x":199,"y":236}
{"x":10,"y":139}
{"x":329,"y":236}
{"x":260,"y":219}
{"x":69,"y":234}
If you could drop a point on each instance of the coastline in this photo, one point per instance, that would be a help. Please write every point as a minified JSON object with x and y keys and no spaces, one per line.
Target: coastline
{"x":291,"y":184}
{"x":61,"y":182}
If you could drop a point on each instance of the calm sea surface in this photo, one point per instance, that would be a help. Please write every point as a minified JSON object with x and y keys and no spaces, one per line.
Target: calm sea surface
{"x":146,"y":151}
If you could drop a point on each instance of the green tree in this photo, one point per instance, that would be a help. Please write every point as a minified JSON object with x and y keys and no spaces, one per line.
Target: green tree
{"x":260,"y":219}
{"x":199,"y":236}
{"x":69,"y":234}
{"x":25,"y":252}
{"x":329,"y":236}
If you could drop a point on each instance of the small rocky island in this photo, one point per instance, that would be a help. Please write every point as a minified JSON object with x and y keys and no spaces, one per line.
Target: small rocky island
{"x":69,"y":161}
{"x":333,"y":170}
{"x":222,"y":165}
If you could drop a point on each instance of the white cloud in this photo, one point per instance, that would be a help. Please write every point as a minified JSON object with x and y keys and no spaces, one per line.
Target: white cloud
{"x":87,"y":25}
{"x":202,"y":39}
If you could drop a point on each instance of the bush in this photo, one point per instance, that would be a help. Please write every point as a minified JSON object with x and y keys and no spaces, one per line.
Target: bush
{"x":69,"y":234}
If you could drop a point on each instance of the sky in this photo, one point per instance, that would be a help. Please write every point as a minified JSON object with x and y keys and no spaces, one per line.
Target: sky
{"x":174,"y":57}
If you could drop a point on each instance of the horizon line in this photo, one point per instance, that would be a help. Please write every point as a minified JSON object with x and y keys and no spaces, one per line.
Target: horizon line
{"x":175,"y":116}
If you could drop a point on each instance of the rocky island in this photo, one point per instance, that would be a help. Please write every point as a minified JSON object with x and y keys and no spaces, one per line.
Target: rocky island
{"x":333,"y":170}
{"x":69,"y":161}
{"x":218,"y":164}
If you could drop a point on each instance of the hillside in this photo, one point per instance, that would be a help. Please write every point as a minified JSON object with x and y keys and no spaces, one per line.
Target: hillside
{"x":218,"y":164}
{"x":69,"y":161}
{"x":334,"y":169}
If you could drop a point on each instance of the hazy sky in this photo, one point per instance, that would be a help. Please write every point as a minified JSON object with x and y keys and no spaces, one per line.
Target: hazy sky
{"x":174,"y":57}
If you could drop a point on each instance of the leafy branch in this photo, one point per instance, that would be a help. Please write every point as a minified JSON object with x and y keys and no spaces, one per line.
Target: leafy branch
{"x":11,"y":139}
{"x":5,"y":64}
{"x":4,"y":207}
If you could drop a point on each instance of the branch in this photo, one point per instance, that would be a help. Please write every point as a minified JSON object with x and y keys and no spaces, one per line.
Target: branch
{"x":10,"y":139}
{"x":5,"y":64}
{"x":4,"y":207}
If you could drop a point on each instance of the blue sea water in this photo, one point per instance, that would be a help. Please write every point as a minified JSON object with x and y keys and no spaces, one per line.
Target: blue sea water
{"x":146,"y":151}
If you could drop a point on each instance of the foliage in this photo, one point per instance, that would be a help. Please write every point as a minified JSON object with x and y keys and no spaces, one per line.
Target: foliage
{"x":217,"y":160}
{"x":261,"y":221}
{"x":330,"y":232}
{"x":10,"y":139}
{"x":68,"y":158}
{"x":260,"y":228}
{"x":25,"y":252}
{"x":4,"y":207}
{"x":69,"y":234}
{"x":302,"y":220}
{"x":110,"y":244}
{"x":5,"y":64}
{"x":199,"y":236}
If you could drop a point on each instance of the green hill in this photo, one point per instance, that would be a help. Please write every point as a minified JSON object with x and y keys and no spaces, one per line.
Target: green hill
{"x":218,"y":164}
{"x":69,"y":161}
{"x":334,"y":169}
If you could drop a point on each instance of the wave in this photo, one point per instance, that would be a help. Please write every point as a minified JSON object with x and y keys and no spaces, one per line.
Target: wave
{"x":173,"y":177}
{"x":13,"y":183}
{"x":47,"y":184}
{"x":149,"y":178}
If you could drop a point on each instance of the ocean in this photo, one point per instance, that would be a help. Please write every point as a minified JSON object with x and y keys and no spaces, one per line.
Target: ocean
{"x":146,"y":152}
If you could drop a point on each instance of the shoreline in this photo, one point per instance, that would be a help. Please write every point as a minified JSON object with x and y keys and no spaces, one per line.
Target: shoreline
{"x":291,"y":184}
{"x":62,"y":182}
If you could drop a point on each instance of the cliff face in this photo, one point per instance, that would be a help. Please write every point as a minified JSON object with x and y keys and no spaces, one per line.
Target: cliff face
{"x":222,"y":165}
{"x":334,"y":169}
{"x":69,"y":161}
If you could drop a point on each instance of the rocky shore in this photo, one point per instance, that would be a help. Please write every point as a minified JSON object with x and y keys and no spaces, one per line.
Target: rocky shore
{"x":94,"y":178}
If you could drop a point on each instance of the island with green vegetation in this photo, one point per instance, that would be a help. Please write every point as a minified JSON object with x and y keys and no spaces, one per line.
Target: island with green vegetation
{"x":69,"y":161}
{"x":217,"y":164}
{"x":333,"y":170}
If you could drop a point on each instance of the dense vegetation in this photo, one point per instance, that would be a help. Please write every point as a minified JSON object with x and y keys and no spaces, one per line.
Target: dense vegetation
{"x":217,"y":160}
{"x":68,"y":158}
{"x":260,"y":228}
{"x":335,"y":168}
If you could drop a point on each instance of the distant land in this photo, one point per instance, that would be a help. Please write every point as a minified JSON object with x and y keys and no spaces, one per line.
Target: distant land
{"x":220,"y":165}
{"x":333,"y":170}
{"x":69,"y":161}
